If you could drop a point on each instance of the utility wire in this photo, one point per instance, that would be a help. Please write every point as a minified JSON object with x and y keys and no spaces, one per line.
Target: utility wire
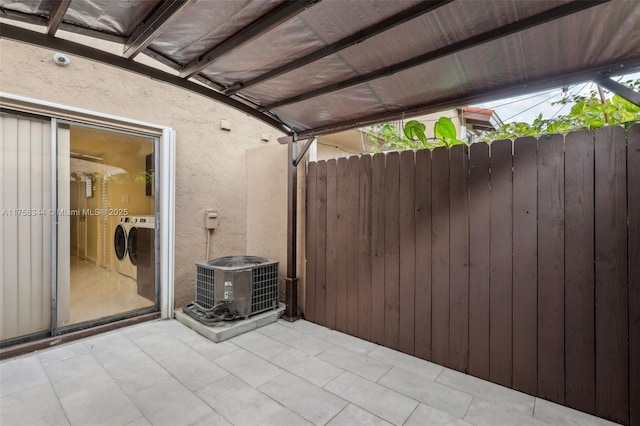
{"x":523,"y":99}
{"x":531,"y":107}
{"x":564,"y":105}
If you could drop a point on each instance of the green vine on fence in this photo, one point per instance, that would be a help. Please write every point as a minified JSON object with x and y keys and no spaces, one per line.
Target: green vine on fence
{"x":387,"y":136}
{"x":587,"y":112}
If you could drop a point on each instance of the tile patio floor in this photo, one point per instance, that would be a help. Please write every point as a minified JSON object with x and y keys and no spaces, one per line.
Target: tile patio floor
{"x":163,"y":373}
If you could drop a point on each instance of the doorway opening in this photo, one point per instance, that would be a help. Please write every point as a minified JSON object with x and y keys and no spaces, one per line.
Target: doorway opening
{"x":106,"y":231}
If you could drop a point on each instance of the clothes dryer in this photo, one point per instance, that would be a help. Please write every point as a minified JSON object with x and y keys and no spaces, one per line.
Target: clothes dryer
{"x":141,"y":246}
{"x":120,"y":246}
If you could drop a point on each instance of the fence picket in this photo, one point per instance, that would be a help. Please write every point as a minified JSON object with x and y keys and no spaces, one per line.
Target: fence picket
{"x":440,"y":261}
{"x":422,"y":303}
{"x":612,"y":362}
{"x":321,"y":241}
{"x":525,"y":288}
{"x":364,"y":247}
{"x":341,"y":243}
{"x":407,"y":253}
{"x":479,"y":250}
{"x":633,"y":178}
{"x":579,"y":277}
{"x":378,"y":201}
{"x":353,"y":258}
{"x":459,"y":259}
{"x":551,"y":268}
{"x":331,"y":275}
{"x":310,"y":283}
{"x":392,"y":252}
{"x":500,"y":285}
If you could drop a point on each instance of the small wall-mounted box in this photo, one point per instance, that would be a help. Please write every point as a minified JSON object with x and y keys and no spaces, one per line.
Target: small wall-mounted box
{"x":265,"y":137}
{"x":225,"y":125}
{"x":210,"y":219}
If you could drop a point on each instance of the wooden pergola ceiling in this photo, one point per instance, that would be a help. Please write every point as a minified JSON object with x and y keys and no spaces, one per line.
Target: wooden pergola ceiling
{"x":309,"y":67}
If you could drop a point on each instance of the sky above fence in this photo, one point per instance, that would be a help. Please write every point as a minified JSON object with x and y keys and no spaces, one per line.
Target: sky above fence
{"x":526,"y":108}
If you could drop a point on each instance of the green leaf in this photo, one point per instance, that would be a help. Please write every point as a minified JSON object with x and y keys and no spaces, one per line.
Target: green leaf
{"x":414,"y":130}
{"x":445,"y":129}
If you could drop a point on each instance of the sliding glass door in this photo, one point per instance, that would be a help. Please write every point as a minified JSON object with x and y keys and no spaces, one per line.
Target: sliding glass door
{"x":79,"y":226}
{"x":104,"y":203}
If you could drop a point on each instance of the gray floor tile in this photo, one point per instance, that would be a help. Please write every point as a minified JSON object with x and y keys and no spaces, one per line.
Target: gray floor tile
{"x":285,"y":323}
{"x":310,"y":328}
{"x":301,"y":341}
{"x":160,"y":345}
{"x":285,"y":417}
{"x":309,"y":401}
{"x":356,"y":416}
{"x":111,"y":347}
{"x":485,"y":413}
{"x":170,"y":403}
{"x":259,"y":344}
{"x":425,"y":415}
{"x":238,"y":402}
{"x":354,"y":344}
{"x":193,"y":369}
{"x":507,"y":398}
{"x":213,"y":419}
{"x":176,"y":329}
{"x":37,"y":405}
{"x":310,"y":368}
{"x":249,"y":367}
{"x":564,"y":416}
{"x":356,"y":363}
{"x":102,"y":404}
{"x":349,"y":342}
{"x":427,"y":391}
{"x":94,"y":376}
{"x":141,"y":330}
{"x":140,"y":421}
{"x":410,"y":363}
{"x":375,"y":398}
{"x":61,"y":353}
{"x":208,"y":348}
{"x":138,"y":372}
{"x":76,"y":374}
{"x":271,"y":329}
{"x":20,"y":374}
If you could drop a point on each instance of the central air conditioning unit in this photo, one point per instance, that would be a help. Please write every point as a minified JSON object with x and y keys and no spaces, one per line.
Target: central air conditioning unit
{"x":234,"y":287}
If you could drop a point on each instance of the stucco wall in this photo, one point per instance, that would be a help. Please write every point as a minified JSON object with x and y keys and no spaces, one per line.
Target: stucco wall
{"x":267,"y":210}
{"x":211,"y":164}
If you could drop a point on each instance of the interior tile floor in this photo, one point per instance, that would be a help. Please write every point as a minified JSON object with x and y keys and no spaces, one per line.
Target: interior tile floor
{"x":163,"y":373}
{"x":97,"y":292}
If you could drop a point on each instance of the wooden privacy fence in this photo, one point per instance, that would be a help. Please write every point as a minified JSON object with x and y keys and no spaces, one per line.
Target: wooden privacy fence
{"x":517,"y":262}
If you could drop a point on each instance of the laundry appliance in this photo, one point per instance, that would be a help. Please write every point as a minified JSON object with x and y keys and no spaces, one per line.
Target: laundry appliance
{"x":120,"y":245}
{"x":141,"y":249}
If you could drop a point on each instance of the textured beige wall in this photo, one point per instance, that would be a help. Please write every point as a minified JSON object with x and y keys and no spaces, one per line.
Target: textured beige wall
{"x":267,"y":202}
{"x":211,"y":165}
{"x":267,"y":210}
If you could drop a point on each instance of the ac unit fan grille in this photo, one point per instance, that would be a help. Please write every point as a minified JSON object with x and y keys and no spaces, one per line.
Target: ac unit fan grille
{"x":204,"y":286}
{"x":265,"y":287}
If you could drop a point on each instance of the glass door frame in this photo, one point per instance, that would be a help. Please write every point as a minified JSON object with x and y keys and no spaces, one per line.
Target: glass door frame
{"x":164,"y":140}
{"x":56,"y":330}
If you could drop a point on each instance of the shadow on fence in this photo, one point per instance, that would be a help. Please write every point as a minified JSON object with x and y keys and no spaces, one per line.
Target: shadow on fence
{"x":518,"y":263}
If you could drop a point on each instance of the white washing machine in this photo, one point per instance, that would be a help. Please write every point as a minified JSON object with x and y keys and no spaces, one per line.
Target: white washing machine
{"x":120,"y":245}
{"x":141,"y":248}
{"x":132,"y":237}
